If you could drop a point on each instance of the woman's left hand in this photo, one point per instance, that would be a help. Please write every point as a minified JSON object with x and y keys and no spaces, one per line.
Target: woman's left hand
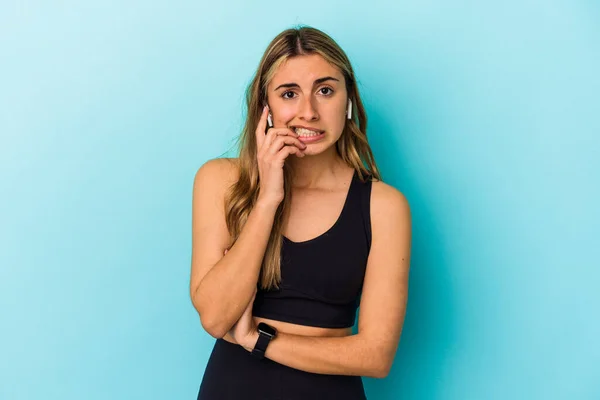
{"x":244,"y":330}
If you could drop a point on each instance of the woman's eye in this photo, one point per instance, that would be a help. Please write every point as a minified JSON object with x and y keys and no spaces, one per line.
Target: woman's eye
{"x":285,"y":94}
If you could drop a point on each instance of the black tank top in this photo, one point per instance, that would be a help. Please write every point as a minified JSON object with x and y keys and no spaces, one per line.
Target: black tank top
{"x":322,"y":278}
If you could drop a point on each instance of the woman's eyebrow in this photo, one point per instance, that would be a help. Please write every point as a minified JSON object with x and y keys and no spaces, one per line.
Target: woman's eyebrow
{"x":317,"y":81}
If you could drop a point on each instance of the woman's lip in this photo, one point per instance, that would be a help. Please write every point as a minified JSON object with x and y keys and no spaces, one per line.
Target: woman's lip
{"x":310,"y":139}
{"x":305,"y":127}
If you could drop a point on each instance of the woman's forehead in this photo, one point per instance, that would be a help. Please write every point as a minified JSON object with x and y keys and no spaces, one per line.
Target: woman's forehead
{"x":304,"y":70}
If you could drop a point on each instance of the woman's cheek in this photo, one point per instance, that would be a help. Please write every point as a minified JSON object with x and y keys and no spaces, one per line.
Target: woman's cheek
{"x":286,"y":115}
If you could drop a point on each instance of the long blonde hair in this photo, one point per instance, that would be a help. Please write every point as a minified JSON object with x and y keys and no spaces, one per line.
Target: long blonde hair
{"x":352,"y":147}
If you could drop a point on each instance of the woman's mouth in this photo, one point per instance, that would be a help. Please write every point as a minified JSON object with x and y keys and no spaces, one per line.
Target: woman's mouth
{"x":308,"y":135}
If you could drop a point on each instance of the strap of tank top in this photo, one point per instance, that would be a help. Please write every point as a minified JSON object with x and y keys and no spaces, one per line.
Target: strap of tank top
{"x":365,"y":204}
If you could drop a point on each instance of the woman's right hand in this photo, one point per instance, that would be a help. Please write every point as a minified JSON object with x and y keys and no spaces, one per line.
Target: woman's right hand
{"x":272,"y":150}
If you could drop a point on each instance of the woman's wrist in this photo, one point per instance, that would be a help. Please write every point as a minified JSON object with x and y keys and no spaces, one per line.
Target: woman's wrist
{"x":267,"y":203}
{"x":250,"y":340}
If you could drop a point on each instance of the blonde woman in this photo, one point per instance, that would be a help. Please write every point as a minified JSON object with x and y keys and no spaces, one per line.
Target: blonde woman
{"x":291,"y":237}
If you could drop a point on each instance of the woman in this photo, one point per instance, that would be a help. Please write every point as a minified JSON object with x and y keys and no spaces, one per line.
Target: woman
{"x":293,"y":235}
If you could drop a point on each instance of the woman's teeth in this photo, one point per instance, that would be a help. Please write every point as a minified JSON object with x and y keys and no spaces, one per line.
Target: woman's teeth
{"x":306,"y":132}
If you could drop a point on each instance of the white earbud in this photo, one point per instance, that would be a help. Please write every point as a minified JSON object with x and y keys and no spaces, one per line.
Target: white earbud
{"x":349,"y":112}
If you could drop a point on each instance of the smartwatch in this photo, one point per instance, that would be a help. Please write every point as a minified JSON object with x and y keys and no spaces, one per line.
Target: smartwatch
{"x":265,"y":334}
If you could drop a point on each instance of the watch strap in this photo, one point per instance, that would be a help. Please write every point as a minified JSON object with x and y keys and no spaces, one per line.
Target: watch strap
{"x":261,"y":345}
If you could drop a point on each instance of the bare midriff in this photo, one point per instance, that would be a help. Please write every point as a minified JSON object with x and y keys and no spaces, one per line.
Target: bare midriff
{"x":296,"y":329}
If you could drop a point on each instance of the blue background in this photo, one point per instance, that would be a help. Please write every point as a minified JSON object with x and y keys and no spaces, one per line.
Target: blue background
{"x":484,"y":114}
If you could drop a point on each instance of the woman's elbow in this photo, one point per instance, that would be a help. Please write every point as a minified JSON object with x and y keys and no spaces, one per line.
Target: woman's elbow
{"x":382,"y":370}
{"x":208,"y":323}
{"x":380,"y":367}
{"x":213,"y":327}
{"x":379,"y":370}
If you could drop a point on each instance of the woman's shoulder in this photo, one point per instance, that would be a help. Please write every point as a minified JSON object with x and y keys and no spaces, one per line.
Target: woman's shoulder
{"x":385,"y":196}
{"x":217,"y":172}
{"x":222,"y":162}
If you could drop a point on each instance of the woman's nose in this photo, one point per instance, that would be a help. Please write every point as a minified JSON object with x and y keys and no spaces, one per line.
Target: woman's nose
{"x":307,"y":109}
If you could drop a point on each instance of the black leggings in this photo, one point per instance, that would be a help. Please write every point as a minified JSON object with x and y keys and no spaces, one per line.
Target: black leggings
{"x":232,"y":373}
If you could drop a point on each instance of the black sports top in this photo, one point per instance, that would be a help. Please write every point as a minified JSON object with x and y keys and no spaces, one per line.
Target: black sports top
{"x":322,"y":278}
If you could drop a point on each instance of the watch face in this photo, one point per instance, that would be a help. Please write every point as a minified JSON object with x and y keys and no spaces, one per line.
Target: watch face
{"x":267,"y":329}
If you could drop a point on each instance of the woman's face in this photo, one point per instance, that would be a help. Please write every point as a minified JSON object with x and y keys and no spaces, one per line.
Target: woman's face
{"x":308,"y":91}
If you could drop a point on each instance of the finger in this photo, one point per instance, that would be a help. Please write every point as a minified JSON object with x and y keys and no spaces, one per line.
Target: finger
{"x":261,"y":127}
{"x":282,"y":141}
{"x":285,"y":152}
{"x":274,"y":133}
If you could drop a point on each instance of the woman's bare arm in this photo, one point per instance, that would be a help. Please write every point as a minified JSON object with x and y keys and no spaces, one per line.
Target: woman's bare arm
{"x":383,"y":303}
{"x":222,"y":285}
